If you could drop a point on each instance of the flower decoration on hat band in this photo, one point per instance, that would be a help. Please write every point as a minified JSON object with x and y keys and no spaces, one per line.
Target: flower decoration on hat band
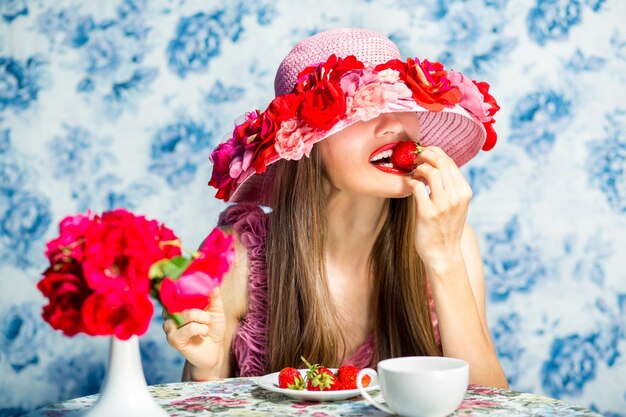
{"x":343,"y":90}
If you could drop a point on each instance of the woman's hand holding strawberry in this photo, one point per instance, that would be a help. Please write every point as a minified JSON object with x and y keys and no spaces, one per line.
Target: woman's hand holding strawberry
{"x":441,"y":215}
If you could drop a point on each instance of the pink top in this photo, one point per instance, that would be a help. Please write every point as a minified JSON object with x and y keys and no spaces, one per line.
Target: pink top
{"x":250,"y":344}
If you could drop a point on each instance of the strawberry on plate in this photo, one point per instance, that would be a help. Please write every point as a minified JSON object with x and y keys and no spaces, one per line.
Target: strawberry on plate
{"x":405,"y":154}
{"x":290,"y":378}
{"x":346,"y":374}
{"x":320,"y":378}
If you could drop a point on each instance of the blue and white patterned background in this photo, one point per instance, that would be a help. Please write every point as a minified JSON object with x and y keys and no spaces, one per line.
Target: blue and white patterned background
{"x":117,"y":104}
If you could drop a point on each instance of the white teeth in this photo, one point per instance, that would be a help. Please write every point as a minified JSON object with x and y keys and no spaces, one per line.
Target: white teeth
{"x":383,"y":154}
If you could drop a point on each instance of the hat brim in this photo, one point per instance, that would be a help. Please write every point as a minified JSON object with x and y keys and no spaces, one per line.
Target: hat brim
{"x":454,"y":130}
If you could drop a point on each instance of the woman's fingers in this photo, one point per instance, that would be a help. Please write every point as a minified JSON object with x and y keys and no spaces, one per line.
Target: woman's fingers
{"x":179,"y":336}
{"x":456,"y":187}
{"x":215,"y":301}
{"x":196,"y":324}
{"x":421,"y":195}
{"x":432,"y":176}
{"x":438,"y":158}
{"x":196,"y":315}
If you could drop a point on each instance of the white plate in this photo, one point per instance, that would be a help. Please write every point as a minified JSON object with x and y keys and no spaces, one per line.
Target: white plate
{"x":270,"y":382}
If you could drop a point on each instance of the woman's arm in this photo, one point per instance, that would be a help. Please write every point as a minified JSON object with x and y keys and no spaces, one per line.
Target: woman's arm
{"x":459,"y":293}
{"x":449,"y":250}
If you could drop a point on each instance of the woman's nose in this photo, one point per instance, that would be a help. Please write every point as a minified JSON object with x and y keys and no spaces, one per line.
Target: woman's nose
{"x":388,"y":124}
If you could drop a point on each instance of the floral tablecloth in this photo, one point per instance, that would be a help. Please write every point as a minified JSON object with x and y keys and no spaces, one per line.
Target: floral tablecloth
{"x":243,"y":397}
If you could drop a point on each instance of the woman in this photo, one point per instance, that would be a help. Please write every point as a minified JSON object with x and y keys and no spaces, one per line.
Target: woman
{"x":360,"y":259}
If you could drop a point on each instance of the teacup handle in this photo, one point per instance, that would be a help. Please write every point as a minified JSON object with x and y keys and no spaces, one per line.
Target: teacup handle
{"x":359,"y":384}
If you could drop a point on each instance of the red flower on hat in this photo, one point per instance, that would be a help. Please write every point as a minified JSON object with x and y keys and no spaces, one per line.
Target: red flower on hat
{"x":492,"y":137}
{"x":331,"y":70}
{"x":284,"y":107}
{"x":220,"y":179}
{"x":323,"y":100}
{"x":324,"y":105}
{"x":428,"y":82}
{"x":261,"y":143}
{"x":281,"y":109}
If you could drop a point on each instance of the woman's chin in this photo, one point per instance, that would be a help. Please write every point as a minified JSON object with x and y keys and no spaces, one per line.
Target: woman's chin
{"x":399,"y":192}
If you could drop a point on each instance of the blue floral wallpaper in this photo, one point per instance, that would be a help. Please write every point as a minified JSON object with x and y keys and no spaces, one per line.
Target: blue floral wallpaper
{"x":117,"y":104}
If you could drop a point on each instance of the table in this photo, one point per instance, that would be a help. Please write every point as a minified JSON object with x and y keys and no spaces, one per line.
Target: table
{"x":242,"y":397}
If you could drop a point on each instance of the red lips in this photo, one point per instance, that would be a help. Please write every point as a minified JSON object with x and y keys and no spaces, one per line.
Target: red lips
{"x":381,"y":159}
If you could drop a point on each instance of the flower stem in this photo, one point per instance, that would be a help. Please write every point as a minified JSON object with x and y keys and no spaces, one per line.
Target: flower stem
{"x":177,"y":319}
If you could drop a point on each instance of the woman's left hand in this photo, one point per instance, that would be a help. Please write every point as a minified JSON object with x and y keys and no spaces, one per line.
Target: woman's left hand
{"x":441,"y":215}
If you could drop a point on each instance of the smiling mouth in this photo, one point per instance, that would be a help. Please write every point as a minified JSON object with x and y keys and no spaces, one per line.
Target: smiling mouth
{"x":381,"y":159}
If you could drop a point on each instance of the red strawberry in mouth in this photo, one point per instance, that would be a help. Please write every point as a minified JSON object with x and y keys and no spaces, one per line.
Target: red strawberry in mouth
{"x":396,"y":158}
{"x":405,"y":155}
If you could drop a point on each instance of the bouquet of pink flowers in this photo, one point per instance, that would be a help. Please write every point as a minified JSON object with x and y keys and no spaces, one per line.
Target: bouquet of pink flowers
{"x":103,"y":270}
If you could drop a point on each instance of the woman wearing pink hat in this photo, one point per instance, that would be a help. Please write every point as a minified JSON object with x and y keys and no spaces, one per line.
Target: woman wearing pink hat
{"x":362,"y":256}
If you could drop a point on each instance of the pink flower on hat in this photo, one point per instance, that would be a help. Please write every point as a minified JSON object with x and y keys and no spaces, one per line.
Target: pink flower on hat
{"x":367,"y":103}
{"x":294,"y":139}
{"x":472,"y":99}
{"x":354,"y":80}
{"x":240,"y":164}
{"x":368,"y":93}
{"x":389,"y":76}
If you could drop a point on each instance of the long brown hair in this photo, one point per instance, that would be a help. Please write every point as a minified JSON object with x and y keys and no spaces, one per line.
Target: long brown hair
{"x":301,"y":319}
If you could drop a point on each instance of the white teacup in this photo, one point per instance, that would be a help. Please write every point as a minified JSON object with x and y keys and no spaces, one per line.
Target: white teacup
{"x":419,"y":386}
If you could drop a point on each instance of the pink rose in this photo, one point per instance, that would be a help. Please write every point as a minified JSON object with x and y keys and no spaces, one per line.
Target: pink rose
{"x":293,"y":140}
{"x":373,"y":98}
{"x":354,"y":80}
{"x":368,"y":102}
{"x":193,"y":287}
{"x":389,"y":76}
{"x":188,"y":291}
{"x":351,"y":82}
{"x":216,"y":255}
{"x":236,"y":167}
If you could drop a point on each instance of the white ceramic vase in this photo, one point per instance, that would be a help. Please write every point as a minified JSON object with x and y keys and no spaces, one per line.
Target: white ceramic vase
{"x":124,"y":392}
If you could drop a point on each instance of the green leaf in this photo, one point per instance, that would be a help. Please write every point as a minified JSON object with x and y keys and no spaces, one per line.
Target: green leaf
{"x":172,"y":268}
{"x":155,"y":271}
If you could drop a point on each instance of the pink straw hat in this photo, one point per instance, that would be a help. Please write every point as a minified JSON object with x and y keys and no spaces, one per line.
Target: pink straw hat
{"x":334,"y":79}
